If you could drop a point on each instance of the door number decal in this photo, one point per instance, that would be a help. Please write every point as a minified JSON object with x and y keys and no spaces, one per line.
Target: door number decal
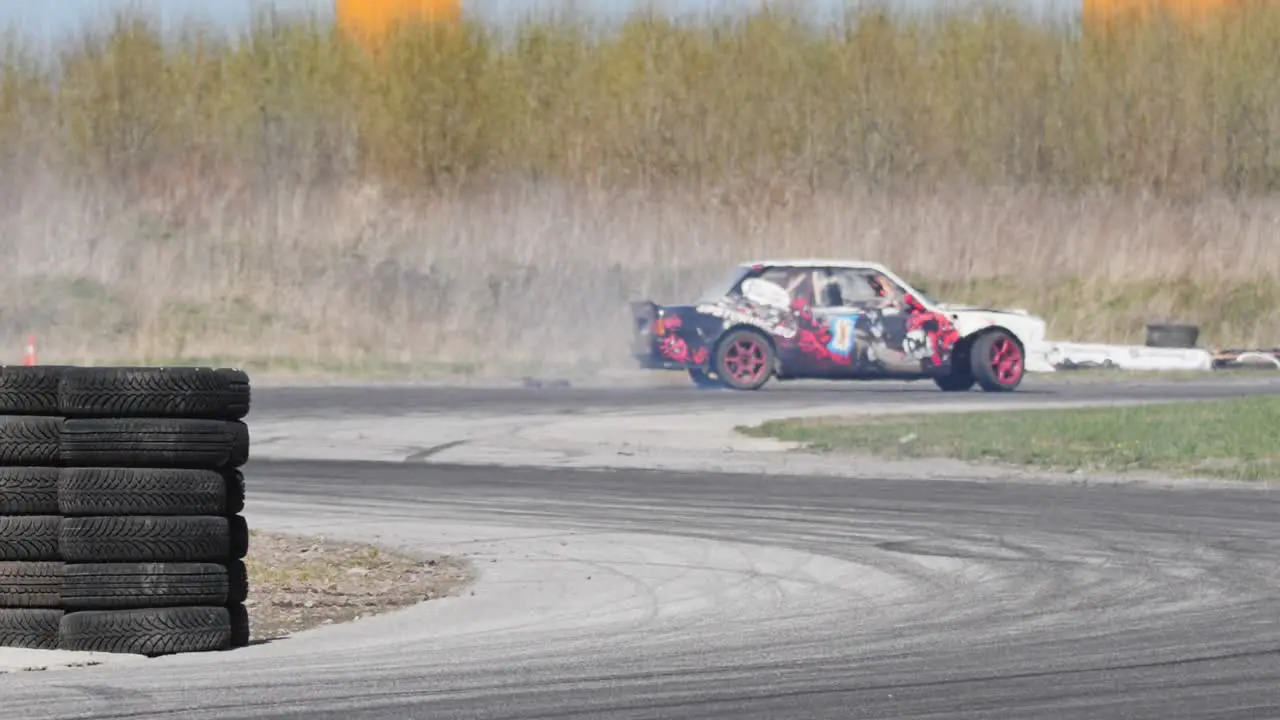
{"x":842,"y":335}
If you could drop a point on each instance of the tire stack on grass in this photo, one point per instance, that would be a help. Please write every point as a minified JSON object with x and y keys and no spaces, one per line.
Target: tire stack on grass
{"x":148,"y":543}
{"x":30,"y":564}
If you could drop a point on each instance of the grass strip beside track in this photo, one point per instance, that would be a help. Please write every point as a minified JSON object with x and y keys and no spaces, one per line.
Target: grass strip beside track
{"x":1233,"y":439}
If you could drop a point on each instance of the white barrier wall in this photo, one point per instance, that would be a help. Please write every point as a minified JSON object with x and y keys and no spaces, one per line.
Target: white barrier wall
{"x":1123,"y":357}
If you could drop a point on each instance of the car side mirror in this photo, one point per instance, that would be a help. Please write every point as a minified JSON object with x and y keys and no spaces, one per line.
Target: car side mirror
{"x":912,"y":302}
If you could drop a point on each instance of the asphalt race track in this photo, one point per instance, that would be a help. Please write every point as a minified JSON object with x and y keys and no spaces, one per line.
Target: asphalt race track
{"x":393,"y":400}
{"x":627,"y":593}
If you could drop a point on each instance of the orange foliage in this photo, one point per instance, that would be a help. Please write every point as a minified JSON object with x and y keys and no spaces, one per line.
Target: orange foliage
{"x":371,"y":19}
{"x":1100,"y":14}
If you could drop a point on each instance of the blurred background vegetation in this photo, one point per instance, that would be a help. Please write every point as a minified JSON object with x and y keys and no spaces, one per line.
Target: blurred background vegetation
{"x":981,"y":96}
{"x":289,"y":192}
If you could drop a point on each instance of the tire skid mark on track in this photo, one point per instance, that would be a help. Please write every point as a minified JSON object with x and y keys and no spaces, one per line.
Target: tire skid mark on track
{"x":1036,"y":601}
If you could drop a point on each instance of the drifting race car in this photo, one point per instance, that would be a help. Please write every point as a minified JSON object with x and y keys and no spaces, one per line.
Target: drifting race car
{"x":832,"y":320}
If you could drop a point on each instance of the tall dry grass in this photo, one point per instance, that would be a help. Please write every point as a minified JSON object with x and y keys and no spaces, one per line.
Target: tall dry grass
{"x":464,"y":200}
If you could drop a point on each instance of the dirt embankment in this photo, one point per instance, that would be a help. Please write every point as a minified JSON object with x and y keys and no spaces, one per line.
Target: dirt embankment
{"x":298,"y":583}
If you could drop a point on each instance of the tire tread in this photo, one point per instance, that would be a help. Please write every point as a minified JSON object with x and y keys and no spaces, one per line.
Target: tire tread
{"x":148,"y":631}
{"x":29,"y":490}
{"x":154,"y":392}
{"x":30,"y":389}
{"x":150,"y":538}
{"x":149,"y":491}
{"x":31,"y":585}
{"x":155,"y":443}
{"x":30,"y":538}
{"x":30,"y":440}
{"x":118,"y":586}
{"x":35,"y":629}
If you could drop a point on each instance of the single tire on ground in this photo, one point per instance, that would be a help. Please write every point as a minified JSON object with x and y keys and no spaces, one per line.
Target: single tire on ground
{"x":122,"y":586}
{"x":30,"y":389}
{"x":154,"y":392}
{"x":1172,"y":335}
{"x":148,"y":631}
{"x":30,"y":585}
{"x":28,"y":441}
{"x":149,"y":491}
{"x":29,"y":490}
{"x":30,"y":628}
{"x":239,"y":625}
{"x":29,"y":538}
{"x":138,"y":539}
{"x":155,"y":443}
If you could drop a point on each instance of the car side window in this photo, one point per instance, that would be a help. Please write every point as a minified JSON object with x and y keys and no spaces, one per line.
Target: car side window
{"x":862,"y":289}
{"x":796,"y":281}
{"x":777,"y":276}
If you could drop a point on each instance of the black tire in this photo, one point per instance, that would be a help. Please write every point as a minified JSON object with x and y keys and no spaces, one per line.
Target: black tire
{"x":1172,"y":335}
{"x":237,"y":582}
{"x":149,"y":491}
{"x":28,"y":441}
{"x":148,"y":631}
{"x":29,"y":538}
{"x":28,"y":491}
{"x":704,"y":379}
{"x":239,"y":625}
{"x":746,"y":349}
{"x":986,"y":367}
{"x":122,"y":586}
{"x":30,"y":628}
{"x":30,"y":389}
{"x":140,"y":539}
{"x":154,"y":392}
{"x":155,"y":443}
{"x":955,"y":383}
{"x":30,"y":585}
{"x":235,"y":492}
{"x":238,"y":537}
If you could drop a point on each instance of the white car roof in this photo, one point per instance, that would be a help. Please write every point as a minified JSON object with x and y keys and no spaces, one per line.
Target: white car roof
{"x":817,"y":262}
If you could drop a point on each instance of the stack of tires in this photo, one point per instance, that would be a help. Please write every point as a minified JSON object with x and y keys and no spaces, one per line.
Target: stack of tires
{"x":120,"y":494}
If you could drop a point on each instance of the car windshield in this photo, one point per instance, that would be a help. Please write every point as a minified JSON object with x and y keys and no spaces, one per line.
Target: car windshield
{"x":923,"y":297}
{"x":722,"y":285}
{"x":920,"y":293}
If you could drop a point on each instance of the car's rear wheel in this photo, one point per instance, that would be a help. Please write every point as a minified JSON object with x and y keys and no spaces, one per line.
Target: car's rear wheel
{"x":744,"y":360}
{"x":998,"y":362}
{"x":704,"y":379}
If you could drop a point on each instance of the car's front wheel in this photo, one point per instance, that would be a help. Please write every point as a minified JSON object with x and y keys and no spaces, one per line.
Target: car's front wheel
{"x":744,"y":360}
{"x":998,"y":362}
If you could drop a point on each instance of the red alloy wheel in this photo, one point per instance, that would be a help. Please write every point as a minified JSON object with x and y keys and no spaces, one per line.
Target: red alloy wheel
{"x":1006,"y":361}
{"x":746,"y":360}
